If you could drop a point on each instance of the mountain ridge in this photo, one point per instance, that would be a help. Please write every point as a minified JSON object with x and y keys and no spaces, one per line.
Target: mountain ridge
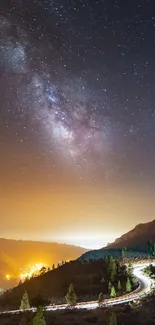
{"x":139,"y":235}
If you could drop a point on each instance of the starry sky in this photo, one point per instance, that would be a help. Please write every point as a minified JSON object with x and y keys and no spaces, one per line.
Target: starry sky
{"x":77,"y":119}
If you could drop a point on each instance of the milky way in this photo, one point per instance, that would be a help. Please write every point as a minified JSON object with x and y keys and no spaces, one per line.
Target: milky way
{"x":69,"y":75}
{"x":67,"y":110}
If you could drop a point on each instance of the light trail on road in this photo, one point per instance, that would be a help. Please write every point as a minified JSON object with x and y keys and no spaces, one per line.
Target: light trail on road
{"x":145,"y":284}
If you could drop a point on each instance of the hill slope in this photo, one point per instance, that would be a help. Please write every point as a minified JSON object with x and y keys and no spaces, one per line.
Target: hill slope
{"x":89,"y":279}
{"x":135,"y":240}
{"x":15,"y":255}
{"x":140,"y":235}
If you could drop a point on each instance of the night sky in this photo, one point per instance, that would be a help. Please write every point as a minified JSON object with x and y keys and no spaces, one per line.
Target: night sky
{"x":77,"y":118}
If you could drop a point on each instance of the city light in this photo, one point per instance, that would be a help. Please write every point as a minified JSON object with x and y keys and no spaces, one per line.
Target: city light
{"x":31,"y":270}
{"x":8,"y":277}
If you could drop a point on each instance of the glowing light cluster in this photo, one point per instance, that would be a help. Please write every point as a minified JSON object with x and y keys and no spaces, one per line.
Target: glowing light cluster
{"x":31,"y":270}
{"x":8,"y":277}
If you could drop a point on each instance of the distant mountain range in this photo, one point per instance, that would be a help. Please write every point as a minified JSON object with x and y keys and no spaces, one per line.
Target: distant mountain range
{"x":140,"y":235}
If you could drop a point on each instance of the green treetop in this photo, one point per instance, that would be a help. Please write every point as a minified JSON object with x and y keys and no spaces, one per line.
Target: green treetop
{"x":113,"y":292}
{"x":128,"y":285}
{"x":71,"y":297}
{"x":39,"y":318}
{"x":130,"y":268}
{"x":123,"y":253}
{"x":25,"y":302}
{"x":100,"y":299}
{"x":113,"y":270}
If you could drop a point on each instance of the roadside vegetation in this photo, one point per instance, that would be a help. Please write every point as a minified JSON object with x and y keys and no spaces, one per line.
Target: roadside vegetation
{"x":150,"y":271}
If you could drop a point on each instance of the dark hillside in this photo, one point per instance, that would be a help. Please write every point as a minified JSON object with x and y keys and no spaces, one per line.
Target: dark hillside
{"x":89,"y":279}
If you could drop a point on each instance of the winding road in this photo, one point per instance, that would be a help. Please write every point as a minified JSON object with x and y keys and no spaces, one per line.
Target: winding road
{"x":145,"y":285}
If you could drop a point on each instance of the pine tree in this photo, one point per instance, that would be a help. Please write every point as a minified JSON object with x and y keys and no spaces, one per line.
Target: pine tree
{"x":119,"y":287}
{"x":25,"y":302}
{"x":113,"y":270}
{"x":39,"y":318}
{"x":113,"y":292}
{"x":113,"y":319}
{"x":130,"y":269}
{"x":109,"y":261}
{"x":119,"y":273}
{"x":71,"y":298}
{"x":100,"y":299}
{"x":128,"y":285}
{"x":53,"y":267}
{"x":43,"y":270}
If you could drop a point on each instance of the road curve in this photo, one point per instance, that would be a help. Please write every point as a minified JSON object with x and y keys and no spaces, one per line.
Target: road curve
{"x":145,"y":284}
